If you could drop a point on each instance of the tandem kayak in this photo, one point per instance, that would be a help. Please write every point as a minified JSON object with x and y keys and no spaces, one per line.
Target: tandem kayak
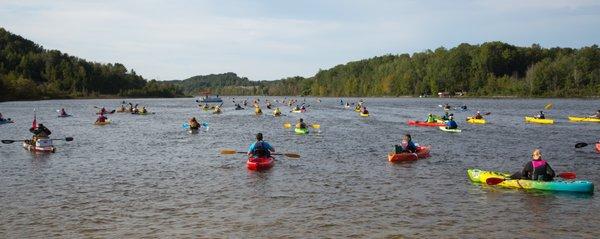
{"x":538,"y":121}
{"x":475,"y":121}
{"x":301,"y":131}
{"x":584,"y":119}
{"x":257,"y":164}
{"x":579,"y":186}
{"x":364,"y":115}
{"x":423,"y":123}
{"x":103,"y":123}
{"x":422,"y":152}
{"x":443,"y":128}
{"x":41,"y":146}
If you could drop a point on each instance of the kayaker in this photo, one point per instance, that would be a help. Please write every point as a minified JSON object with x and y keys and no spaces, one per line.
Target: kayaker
{"x":194,"y":123}
{"x":446,"y":116}
{"x":258,"y":110}
{"x":277,"y":111}
{"x":238,"y":107}
{"x":597,"y":115}
{"x":451,"y":124}
{"x":101,"y":119}
{"x":260,"y":148}
{"x":407,"y":145}
{"x":303,"y":108}
{"x":297,"y":108}
{"x":540,"y":115}
{"x":464,"y":107}
{"x":447,"y":106}
{"x":357,"y":108}
{"x":121,"y":109}
{"x":245,"y":102}
{"x":365,"y":111}
{"x":143,"y":110}
{"x":536,"y":169}
{"x":39,"y":132}
{"x":342,"y":102}
{"x":431,"y":119}
{"x":301,"y":124}
{"x":478,"y":115}
{"x":63,"y":112}
{"x":102,"y":111}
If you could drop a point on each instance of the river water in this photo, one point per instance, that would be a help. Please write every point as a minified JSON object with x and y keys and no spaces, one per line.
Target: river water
{"x":144,"y":176}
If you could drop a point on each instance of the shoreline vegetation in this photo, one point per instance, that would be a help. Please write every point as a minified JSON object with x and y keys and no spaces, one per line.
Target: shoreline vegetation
{"x":490,"y":70}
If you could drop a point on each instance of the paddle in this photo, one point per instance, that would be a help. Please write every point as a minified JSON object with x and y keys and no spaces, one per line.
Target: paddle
{"x":565,"y":175}
{"x":187,"y":126}
{"x":9,"y":141}
{"x":232,"y":151}
{"x":582,"y":144}
{"x":288,"y":125}
{"x":548,"y":106}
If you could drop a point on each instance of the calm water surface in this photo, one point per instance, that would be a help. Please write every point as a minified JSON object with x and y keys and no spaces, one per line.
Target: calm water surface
{"x":144,"y":176}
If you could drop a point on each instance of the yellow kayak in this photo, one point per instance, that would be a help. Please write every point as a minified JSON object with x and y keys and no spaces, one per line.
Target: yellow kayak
{"x":538,"y":121}
{"x":583,"y":119}
{"x":364,"y":115}
{"x":475,"y":121}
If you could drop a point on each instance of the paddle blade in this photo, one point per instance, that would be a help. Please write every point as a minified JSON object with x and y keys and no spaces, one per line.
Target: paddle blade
{"x":69,"y":139}
{"x":185,"y":126}
{"x":580,"y":145}
{"x":488,"y":113}
{"x":316,"y":126}
{"x":228,"y":151}
{"x":292,"y":155}
{"x":287,"y":125}
{"x":7,"y":141}
{"x":548,"y":106}
{"x":494,"y":181}
{"x":567,"y":175}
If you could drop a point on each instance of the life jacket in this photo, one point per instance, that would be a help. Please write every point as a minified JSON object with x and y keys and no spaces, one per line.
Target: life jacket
{"x":260,"y":151}
{"x":539,"y":170}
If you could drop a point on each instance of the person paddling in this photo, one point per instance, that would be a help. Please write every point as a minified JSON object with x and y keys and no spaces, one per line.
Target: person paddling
{"x":39,"y":132}
{"x":194,"y":125}
{"x":143,"y":110}
{"x":446,"y":116}
{"x":477,"y":115}
{"x":536,"y":169}
{"x":238,"y":107}
{"x":260,"y":148}
{"x":597,"y":115}
{"x":101,"y":119}
{"x":301,"y":124}
{"x":431,"y":119}
{"x":451,"y":124}
{"x":63,"y":112}
{"x":365,"y":111}
{"x":540,"y":115}
{"x":407,"y":145}
{"x":277,"y":112}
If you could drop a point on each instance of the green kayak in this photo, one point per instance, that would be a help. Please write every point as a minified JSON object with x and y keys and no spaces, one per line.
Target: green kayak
{"x":301,"y":131}
{"x":580,"y":186}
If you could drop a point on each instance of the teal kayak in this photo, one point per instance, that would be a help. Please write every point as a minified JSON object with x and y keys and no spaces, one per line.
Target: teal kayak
{"x":443,"y":128}
{"x":579,"y":186}
{"x":301,"y":131}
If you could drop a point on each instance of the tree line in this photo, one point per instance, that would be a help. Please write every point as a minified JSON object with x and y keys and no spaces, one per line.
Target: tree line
{"x":28,"y":71}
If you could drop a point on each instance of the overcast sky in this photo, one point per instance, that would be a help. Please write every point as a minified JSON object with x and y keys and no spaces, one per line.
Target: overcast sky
{"x":268,"y":40}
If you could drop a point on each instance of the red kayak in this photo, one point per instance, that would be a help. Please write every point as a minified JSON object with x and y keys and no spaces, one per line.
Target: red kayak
{"x":422,"y":152}
{"x":423,"y":123}
{"x":260,"y":163}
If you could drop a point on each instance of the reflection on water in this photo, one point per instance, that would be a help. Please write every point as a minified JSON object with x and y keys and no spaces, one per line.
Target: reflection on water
{"x":144,"y":176}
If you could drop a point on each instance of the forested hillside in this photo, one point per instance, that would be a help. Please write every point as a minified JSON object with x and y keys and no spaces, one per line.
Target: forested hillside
{"x":28,"y":71}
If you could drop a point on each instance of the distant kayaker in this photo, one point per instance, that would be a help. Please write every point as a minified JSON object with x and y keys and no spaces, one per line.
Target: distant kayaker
{"x":301,"y":124}
{"x":194,"y":123}
{"x":303,"y":108}
{"x":536,"y":169}
{"x":39,"y":132}
{"x":102,"y":111}
{"x":447,"y":106}
{"x":297,"y":108}
{"x":143,"y":110}
{"x":451,"y":124}
{"x":217,"y":110}
{"x":260,"y":148}
{"x":446,"y":116}
{"x":407,"y":145}
{"x":63,"y":112}
{"x":121,"y":109}
{"x":597,"y":115}
{"x":365,"y":111}
{"x":464,"y":107}
{"x":277,"y":111}
{"x":478,"y":115}
{"x":245,"y":102}
{"x":238,"y":107}
{"x":101,"y":119}
{"x":341,"y":102}
{"x":431,"y":119}
{"x":540,"y":115}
